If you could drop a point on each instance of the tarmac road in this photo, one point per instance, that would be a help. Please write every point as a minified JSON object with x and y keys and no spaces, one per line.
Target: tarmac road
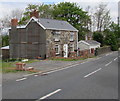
{"x":94,"y":79}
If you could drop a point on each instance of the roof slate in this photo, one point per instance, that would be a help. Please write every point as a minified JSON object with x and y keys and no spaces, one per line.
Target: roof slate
{"x":56,"y":24}
{"x":92,"y":42}
{"x":51,"y":24}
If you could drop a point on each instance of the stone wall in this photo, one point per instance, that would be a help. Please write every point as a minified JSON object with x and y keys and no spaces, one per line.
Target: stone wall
{"x":64,"y":38}
{"x":102,"y":50}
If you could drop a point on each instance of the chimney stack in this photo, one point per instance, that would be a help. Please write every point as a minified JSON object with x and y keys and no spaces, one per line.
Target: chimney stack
{"x":14,"y":22}
{"x":34,"y":14}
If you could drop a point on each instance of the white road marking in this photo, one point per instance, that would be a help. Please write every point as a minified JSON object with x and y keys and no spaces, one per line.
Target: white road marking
{"x":115,"y":59}
{"x":83,"y":62}
{"x":99,"y":57}
{"x":109,"y":54}
{"x":92,"y":72}
{"x":48,"y":95}
{"x":108,"y":63}
{"x":32,"y":74}
{"x":21,"y":79}
{"x":35,"y":75}
{"x":60,"y":69}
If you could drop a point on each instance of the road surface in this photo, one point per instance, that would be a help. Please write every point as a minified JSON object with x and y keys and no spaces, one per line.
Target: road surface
{"x":95,"y":79}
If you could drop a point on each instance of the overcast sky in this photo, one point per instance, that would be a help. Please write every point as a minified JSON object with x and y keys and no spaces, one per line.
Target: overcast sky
{"x":7,"y":5}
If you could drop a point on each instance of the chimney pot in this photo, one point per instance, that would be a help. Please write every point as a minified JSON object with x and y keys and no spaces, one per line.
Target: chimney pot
{"x":34,"y":14}
{"x":14,"y":22}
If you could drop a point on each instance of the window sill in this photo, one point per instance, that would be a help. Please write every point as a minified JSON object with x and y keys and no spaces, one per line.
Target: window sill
{"x":71,"y":40}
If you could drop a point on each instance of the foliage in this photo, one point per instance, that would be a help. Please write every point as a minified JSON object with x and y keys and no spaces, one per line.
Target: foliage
{"x":73,"y":14}
{"x":5,"y":40}
{"x":98,"y":37}
{"x":111,"y":40}
{"x":66,"y":11}
{"x":8,"y":66}
{"x":45,"y":11}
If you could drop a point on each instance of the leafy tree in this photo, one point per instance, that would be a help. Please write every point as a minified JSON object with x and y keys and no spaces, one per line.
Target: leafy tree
{"x":115,"y":29}
{"x":98,"y":37}
{"x":45,"y":11}
{"x":5,"y":40}
{"x":112,"y":36}
{"x":73,"y":14}
{"x":111,"y":40}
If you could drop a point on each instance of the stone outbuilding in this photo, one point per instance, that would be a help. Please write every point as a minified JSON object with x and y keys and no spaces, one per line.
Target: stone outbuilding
{"x":42,"y":37}
{"x":88,"y":45}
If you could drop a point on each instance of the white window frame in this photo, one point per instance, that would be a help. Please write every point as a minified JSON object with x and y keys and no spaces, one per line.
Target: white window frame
{"x":57,"y":36}
{"x":72,"y":36}
{"x":58,"y":49}
{"x":72,"y":46}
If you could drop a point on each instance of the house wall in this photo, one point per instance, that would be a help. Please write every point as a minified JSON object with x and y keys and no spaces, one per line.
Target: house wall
{"x":95,"y":46}
{"x":83,"y":46}
{"x":29,"y":42}
{"x":64,"y":39}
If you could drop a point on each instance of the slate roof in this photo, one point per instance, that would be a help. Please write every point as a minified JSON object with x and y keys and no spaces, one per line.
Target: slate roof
{"x":92,"y":42}
{"x":51,"y":24}
{"x":56,"y":24}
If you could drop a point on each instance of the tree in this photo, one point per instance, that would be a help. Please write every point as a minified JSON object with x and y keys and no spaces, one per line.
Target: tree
{"x":102,"y":17}
{"x":98,"y":37}
{"x":5,"y":40}
{"x":45,"y":11}
{"x":112,"y":36}
{"x":73,"y":14}
{"x":6,"y":20}
{"x":111,"y":40}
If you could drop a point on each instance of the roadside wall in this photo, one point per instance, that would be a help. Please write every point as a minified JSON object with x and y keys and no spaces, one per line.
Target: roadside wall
{"x":102,"y":50}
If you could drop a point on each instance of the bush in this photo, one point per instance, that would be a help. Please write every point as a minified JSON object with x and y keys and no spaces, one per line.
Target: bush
{"x":11,"y":60}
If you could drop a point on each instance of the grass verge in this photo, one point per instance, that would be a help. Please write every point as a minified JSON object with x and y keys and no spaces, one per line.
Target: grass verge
{"x":9,"y":67}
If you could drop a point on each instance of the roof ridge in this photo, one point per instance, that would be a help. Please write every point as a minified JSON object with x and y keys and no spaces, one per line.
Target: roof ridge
{"x":52,"y":19}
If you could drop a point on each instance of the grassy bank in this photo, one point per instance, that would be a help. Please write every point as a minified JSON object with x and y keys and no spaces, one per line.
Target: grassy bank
{"x":10,"y":67}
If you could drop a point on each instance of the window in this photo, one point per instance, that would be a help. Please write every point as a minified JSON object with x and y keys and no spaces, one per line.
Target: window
{"x":57,"y":49}
{"x":71,"y":36}
{"x":56,"y":35}
{"x":71,"y":47}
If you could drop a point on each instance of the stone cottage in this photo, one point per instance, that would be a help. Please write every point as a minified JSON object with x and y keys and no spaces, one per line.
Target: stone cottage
{"x":42,"y":37}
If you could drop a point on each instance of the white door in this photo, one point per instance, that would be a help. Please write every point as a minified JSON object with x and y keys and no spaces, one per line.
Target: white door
{"x":65,"y":49}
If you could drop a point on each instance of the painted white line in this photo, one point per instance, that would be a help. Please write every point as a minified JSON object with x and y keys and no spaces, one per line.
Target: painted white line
{"x":92,"y":72}
{"x":48,"y":95}
{"x":35,"y":75}
{"x":115,"y":59}
{"x":98,"y":58}
{"x":108,"y":63}
{"x":31,"y":74}
{"x":60,"y":69}
{"x":51,"y":71}
{"x":83,"y":62}
{"x":21,"y":79}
